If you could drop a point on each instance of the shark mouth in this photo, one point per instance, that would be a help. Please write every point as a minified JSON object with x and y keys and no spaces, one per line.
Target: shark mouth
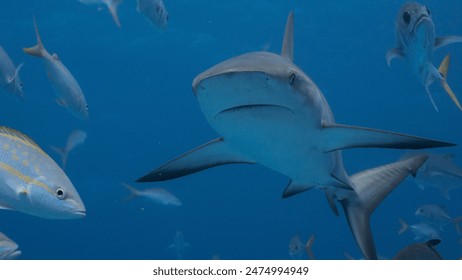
{"x":255,"y":108}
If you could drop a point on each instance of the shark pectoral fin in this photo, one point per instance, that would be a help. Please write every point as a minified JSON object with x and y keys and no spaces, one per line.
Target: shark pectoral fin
{"x":371,"y":187}
{"x":394,"y":53}
{"x":337,"y":136}
{"x":443,"y":70}
{"x":446,"y":40}
{"x":288,"y":41}
{"x":295,"y":188}
{"x":214,"y":153}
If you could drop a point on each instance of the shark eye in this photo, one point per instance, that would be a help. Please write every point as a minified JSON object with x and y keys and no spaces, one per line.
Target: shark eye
{"x":292,"y":78}
{"x":428,"y":10}
{"x":407,"y":17}
{"x":60,"y":193}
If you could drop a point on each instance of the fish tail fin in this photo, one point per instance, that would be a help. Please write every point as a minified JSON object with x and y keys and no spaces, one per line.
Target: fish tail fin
{"x":371,"y":187}
{"x":39,"y":49}
{"x":62,"y":152}
{"x":443,"y":69}
{"x":308,"y":246}
{"x":112,"y":7}
{"x":456,"y":222}
{"x":133,"y":192}
{"x":404,"y":226}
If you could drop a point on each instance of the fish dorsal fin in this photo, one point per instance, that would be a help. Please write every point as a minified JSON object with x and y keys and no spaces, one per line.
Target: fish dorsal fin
{"x":288,"y":42}
{"x":17,"y":135}
{"x":433,"y":242}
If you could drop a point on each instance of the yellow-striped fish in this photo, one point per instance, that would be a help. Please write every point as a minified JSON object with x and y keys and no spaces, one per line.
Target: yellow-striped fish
{"x":32,"y":183}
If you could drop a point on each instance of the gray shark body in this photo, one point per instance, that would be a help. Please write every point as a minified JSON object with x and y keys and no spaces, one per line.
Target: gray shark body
{"x":268,"y":111}
{"x":416,"y":42}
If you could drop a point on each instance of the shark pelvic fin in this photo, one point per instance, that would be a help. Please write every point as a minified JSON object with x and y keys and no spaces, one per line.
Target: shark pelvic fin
{"x":214,"y":153}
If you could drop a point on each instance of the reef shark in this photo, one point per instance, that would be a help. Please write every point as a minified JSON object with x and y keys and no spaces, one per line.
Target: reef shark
{"x":268,"y":111}
{"x":416,"y":42}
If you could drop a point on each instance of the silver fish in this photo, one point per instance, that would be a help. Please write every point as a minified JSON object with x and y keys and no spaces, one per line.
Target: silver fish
{"x":155,"y":11}
{"x":156,"y":195}
{"x":67,"y":90}
{"x":416,"y":42}
{"x":8,"y":248}
{"x":268,"y":111}
{"x":441,"y":173}
{"x":436,"y":216}
{"x":296,"y":247}
{"x":179,"y":245}
{"x":421,"y":231}
{"x":111,"y":5}
{"x":420,"y":251}
{"x":9,"y":74}
{"x":75,"y":138}
{"x":32,"y":183}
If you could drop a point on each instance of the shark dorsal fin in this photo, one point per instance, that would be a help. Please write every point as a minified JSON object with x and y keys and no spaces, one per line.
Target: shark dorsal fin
{"x":288,"y":43}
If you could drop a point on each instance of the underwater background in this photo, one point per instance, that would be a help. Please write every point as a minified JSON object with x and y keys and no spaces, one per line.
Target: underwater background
{"x":137,"y":82}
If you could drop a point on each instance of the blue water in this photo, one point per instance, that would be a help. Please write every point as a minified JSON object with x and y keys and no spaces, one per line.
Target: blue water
{"x":137,"y":82}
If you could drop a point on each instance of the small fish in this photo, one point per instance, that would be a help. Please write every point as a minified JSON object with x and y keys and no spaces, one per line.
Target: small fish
{"x":32,"y":183}
{"x":296,"y":247}
{"x":155,"y":11}
{"x":77,"y":137}
{"x":179,"y":245}
{"x":416,"y":42}
{"x":157,"y":195}
{"x":441,"y":173}
{"x":9,"y":74}
{"x":420,"y":251}
{"x":436,"y":216}
{"x":111,"y":5}
{"x":308,"y":245}
{"x":422,"y":231}
{"x":8,"y":248}
{"x":67,"y":90}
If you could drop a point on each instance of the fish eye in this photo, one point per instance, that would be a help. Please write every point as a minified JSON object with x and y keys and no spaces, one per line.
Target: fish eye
{"x":86,"y":107}
{"x":292,"y":78}
{"x":428,"y":10}
{"x":60,"y":193}
{"x":407,"y":17}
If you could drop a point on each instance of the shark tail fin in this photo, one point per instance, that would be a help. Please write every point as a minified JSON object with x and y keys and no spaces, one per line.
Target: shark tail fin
{"x":404,"y":226}
{"x":39,"y":49}
{"x":371,"y":188}
{"x":308,"y":246}
{"x":133,"y":192}
{"x":443,"y":69}
{"x":112,"y":7}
